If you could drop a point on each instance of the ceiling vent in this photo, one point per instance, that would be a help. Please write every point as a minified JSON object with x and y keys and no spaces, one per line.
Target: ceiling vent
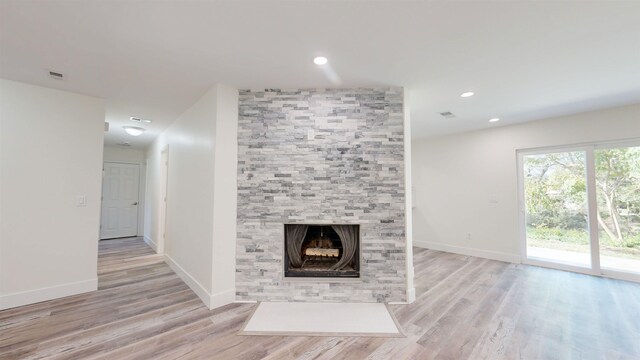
{"x":124,"y":143}
{"x":447,"y":115}
{"x":56,"y":75}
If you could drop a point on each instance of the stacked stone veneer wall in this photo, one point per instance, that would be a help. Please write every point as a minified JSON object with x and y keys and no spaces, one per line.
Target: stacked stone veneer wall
{"x":350,"y":172}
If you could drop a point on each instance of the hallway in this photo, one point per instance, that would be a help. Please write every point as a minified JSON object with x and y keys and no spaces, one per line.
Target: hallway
{"x":139,"y":298}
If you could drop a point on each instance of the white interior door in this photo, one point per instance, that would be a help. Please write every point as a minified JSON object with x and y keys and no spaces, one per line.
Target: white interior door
{"x":119,"y":200}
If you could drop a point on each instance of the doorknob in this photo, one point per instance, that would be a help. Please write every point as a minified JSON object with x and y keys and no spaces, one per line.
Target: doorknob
{"x":135,"y":203}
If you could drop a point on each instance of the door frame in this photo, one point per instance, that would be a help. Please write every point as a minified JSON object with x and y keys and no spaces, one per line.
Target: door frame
{"x":592,"y":204}
{"x":163,"y":192}
{"x":140,"y":212}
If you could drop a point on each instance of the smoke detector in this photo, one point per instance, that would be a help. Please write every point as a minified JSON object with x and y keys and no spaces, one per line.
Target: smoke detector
{"x":447,"y":114}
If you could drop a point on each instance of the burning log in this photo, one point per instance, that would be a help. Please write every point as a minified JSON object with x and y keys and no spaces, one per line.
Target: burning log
{"x":322,"y":252}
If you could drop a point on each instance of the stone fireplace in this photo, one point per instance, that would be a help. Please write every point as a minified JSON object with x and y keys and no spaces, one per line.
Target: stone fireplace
{"x":321,"y":158}
{"x":322,"y":251}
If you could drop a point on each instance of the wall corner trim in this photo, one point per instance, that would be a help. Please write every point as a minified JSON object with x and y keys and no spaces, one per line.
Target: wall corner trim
{"x":49,"y":293}
{"x":212,"y":301}
{"x":486,"y":254}
{"x":151,"y":243}
{"x":195,"y":286}
{"x":222,"y":298}
{"x":411,"y":295}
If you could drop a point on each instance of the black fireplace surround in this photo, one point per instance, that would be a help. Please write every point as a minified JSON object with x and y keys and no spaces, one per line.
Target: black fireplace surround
{"x":322,"y":251}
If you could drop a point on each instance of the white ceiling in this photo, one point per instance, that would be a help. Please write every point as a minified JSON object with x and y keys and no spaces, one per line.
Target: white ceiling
{"x":524,"y":60}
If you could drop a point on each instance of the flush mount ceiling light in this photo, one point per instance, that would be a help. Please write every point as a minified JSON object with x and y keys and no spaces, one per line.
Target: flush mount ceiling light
{"x":137,"y":119}
{"x":494,"y":120}
{"x":467,"y":94}
{"x":320,"y":60}
{"x":133,"y":130}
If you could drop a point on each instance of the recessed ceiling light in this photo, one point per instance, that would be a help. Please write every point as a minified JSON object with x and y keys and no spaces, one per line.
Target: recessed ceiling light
{"x":467,"y":94}
{"x":494,"y":120}
{"x":320,"y":60}
{"x":133,"y":130}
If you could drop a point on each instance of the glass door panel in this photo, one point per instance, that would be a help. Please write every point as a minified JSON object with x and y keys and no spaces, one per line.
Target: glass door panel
{"x":618,"y":197}
{"x":556,"y":210}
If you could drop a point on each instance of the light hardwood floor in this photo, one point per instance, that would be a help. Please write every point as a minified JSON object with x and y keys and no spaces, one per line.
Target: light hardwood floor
{"x":467,"y":308}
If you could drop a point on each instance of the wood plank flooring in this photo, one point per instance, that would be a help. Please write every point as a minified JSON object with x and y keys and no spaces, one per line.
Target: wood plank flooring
{"x":467,"y":308}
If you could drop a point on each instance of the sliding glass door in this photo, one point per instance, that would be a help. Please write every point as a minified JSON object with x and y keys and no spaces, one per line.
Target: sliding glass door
{"x":618,"y":197}
{"x":555,"y":191}
{"x":581,"y":208}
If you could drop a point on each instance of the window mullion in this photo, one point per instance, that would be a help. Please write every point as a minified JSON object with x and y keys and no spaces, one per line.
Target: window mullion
{"x":593,"y":210}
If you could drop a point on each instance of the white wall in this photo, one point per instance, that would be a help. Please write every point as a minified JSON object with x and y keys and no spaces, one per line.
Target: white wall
{"x":131,"y":156}
{"x":226,"y":197}
{"x":189,"y":223}
{"x":202,"y":140}
{"x":50,"y":153}
{"x":411,"y":290}
{"x":117,"y":154}
{"x":456,"y":176}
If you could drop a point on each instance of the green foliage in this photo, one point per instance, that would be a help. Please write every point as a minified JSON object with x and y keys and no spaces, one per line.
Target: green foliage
{"x":555,"y":195}
{"x":618,"y":185}
{"x":556,"y":234}
{"x":555,"y":190}
{"x":631,"y":242}
{"x":578,"y":241}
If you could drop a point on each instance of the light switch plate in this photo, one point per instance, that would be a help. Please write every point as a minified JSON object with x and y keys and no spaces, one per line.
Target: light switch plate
{"x":81,"y":200}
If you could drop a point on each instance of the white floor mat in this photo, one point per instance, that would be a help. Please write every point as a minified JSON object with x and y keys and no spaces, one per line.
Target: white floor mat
{"x":322,"y":319}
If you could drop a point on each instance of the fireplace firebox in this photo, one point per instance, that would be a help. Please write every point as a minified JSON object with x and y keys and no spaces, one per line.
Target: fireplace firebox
{"x":331,"y":251}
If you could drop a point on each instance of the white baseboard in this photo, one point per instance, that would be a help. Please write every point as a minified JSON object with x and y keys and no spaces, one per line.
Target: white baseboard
{"x":487,"y":254}
{"x":212,"y":301}
{"x":151,"y":243}
{"x":222,"y":298}
{"x":195,"y":286}
{"x":411,"y":295}
{"x":49,"y":293}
